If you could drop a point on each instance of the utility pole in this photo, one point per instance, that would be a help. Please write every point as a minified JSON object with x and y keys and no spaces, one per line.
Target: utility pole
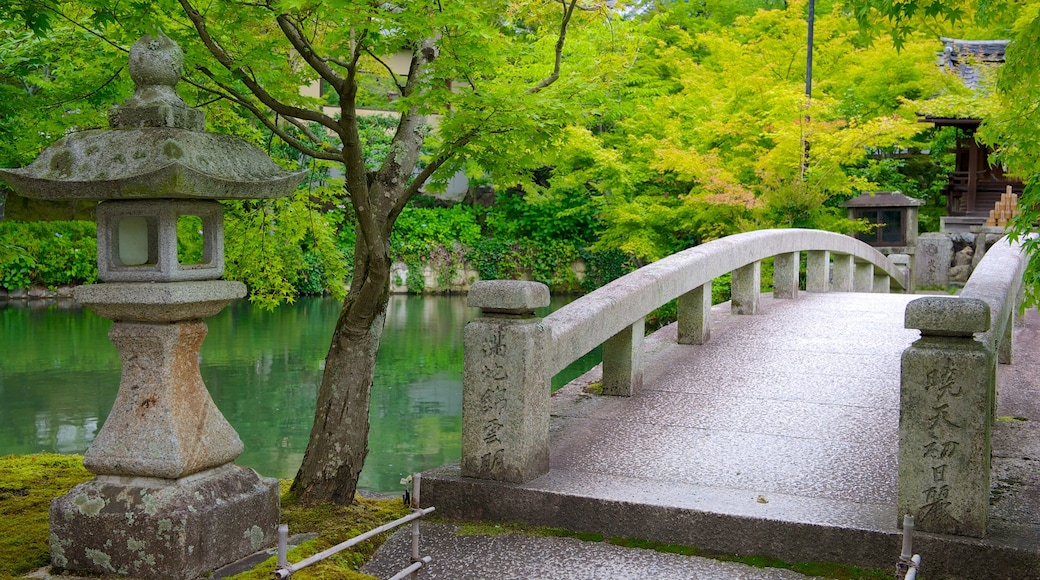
{"x":808,"y":90}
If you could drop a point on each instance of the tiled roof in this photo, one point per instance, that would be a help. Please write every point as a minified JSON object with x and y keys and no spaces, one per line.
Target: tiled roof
{"x":970,"y":59}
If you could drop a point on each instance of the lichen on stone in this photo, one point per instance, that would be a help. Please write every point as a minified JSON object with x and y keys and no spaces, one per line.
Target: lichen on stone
{"x":255,"y":536}
{"x":89,"y":506}
{"x":100,"y":558}
{"x":58,"y":552}
{"x":150,"y":503}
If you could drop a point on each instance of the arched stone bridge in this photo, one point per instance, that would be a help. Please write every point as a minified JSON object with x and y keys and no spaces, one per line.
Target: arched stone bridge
{"x":799,"y":425}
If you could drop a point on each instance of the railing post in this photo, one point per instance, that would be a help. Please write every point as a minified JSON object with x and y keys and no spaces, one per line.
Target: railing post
{"x":863,"y":280}
{"x":1006,"y":346}
{"x":817,"y":271}
{"x":785,"y":275}
{"x":505,"y":383}
{"x":843,"y":269}
{"x":745,"y":288}
{"x":945,"y":415}
{"x":905,"y":263}
{"x":694,"y":315}
{"x":882,"y":283}
{"x":623,"y":361}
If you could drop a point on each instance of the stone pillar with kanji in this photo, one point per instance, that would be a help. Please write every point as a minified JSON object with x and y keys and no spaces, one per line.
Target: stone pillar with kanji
{"x":946,"y":395}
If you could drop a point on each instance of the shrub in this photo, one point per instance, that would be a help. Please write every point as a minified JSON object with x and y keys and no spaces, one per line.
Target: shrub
{"x":51,"y":254}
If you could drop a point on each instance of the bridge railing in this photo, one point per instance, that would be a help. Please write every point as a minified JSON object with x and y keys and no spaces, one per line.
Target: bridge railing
{"x":511,"y":355}
{"x":948,"y":394}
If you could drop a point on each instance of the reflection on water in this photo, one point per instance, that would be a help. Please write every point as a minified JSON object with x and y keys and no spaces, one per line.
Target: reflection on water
{"x":59,"y":375}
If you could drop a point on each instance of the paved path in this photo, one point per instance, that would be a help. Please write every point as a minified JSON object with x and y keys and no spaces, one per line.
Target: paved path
{"x":521,"y":557}
{"x":778,"y":437}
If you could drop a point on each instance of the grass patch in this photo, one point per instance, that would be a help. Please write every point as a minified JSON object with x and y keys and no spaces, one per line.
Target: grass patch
{"x":594,"y":388}
{"x":335,"y":524}
{"x":29,"y":482}
{"x":822,"y":569}
{"x":938,"y":288}
{"x":1010,"y":419}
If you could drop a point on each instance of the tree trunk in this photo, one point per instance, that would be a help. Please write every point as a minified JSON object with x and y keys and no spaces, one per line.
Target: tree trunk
{"x":339,"y":438}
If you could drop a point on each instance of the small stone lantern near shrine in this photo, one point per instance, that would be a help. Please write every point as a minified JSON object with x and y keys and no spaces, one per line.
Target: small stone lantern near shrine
{"x":894,"y":214}
{"x":896,"y":217}
{"x":168,"y":501}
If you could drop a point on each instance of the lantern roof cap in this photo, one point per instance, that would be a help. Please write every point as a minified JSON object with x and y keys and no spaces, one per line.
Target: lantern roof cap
{"x":156,"y":147}
{"x":882,"y":199}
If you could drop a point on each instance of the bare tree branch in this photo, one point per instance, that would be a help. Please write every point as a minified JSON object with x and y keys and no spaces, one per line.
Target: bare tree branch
{"x":428,"y":171}
{"x":393,"y":76}
{"x":244,"y":75}
{"x":568,"y":11}
{"x":307,"y":132}
{"x":88,"y":30}
{"x":88,"y":95}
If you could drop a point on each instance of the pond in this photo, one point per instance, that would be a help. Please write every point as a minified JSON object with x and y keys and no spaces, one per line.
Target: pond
{"x":59,"y":375}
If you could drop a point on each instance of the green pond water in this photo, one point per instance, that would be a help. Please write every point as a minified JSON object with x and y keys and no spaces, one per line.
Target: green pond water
{"x":59,"y":375}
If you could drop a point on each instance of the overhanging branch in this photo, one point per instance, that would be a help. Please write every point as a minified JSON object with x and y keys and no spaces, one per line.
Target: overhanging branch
{"x":243,"y":74}
{"x":302,"y":147}
{"x":568,"y":11}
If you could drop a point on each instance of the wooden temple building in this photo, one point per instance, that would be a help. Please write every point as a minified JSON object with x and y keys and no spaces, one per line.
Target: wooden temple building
{"x":976,"y":183}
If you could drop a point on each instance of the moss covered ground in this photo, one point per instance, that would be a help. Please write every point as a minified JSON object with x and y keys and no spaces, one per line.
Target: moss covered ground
{"x":29,"y":482}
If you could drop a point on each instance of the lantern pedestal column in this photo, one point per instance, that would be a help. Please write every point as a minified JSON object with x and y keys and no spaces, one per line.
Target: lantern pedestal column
{"x":168,"y":501}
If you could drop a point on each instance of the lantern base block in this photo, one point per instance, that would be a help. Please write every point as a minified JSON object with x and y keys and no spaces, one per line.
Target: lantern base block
{"x":171,"y":529}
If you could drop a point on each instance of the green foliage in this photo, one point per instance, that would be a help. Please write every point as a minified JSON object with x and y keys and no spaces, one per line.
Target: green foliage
{"x":604,"y":267}
{"x":548,"y":262}
{"x":416,"y":281}
{"x":418,"y":231}
{"x":545,"y":214}
{"x":282,"y":248}
{"x":189,"y":239}
{"x":52,"y":79}
{"x":47,"y":254}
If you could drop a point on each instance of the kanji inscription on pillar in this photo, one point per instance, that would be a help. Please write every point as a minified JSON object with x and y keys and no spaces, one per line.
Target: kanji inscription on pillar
{"x":505,"y":397}
{"x":943,"y":436}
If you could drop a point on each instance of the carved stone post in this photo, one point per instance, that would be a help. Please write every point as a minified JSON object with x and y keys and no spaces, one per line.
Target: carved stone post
{"x":746,"y":287}
{"x":694,"y":315}
{"x":818,"y":271}
{"x":945,"y":416}
{"x":843,"y":272}
{"x":505,"y":383}
{"x":785,"y":275}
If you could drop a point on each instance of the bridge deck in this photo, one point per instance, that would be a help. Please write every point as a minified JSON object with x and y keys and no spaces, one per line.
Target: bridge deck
{"x":789,"y":414}
{"x":778,"y":437}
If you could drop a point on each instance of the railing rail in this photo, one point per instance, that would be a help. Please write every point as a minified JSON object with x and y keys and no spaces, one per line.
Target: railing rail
{"x":284,"y":569}
{"x":590,"y":321}
{"x":997,"y":281}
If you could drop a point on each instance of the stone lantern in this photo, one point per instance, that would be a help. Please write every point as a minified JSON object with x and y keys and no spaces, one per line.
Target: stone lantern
{"x":894,"y":214}
{"x":167,"y":500}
